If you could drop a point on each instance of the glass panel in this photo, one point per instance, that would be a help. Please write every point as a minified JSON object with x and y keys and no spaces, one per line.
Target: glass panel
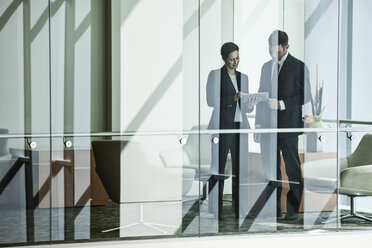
{"x":320,"y":180}
{"x":24,"y":67}
{"x":175,"y":151}
{"x":234,"y":177}
{"x":78,"y":62}
{"x":80,"y":96}
{"x":125,"y":187}
{"x":354,"y":202}
{"x":321,"y":57}
{"x":274,"y":192}
{"x":71,"y":188}
{"x":24,"y":110}
{"x":100,"y":50}
{"x":24,"y":190}
{"x":247,"y":200}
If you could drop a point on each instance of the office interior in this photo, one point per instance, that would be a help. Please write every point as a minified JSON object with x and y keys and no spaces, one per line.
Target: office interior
{"x":104,"y":114}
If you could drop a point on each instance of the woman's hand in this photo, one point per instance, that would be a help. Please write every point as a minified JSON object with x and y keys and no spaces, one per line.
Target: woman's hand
{"x":237,"y":96}
{"x":253,"y":101}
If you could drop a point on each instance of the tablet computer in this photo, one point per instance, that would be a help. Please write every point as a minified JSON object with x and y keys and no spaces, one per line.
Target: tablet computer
{"x":263,"y":96}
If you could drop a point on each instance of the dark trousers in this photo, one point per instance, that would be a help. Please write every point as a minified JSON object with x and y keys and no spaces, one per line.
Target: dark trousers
{"x":271,"y":146}
{"x":227,"y":142}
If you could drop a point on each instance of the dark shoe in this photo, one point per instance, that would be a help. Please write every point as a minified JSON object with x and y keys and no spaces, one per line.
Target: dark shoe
{"x":291,"y":216}
{"x":279,"y":215}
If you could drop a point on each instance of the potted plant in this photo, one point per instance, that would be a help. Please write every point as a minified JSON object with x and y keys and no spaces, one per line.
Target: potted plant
{"x":314,"y":120}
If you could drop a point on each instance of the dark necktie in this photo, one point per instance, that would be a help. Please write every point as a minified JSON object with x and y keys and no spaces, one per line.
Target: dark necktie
{"x":278,"y":67}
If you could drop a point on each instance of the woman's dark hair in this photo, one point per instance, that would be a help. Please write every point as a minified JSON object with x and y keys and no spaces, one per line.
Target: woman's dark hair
{"x":228,"y":48}
{"x":278,"y":37}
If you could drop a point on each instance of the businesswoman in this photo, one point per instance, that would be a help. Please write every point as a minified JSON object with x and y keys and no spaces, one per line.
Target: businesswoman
{"x":225,"y":88}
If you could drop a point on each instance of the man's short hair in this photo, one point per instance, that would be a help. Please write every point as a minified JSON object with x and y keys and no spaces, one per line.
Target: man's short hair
{"x":278,"y":37}
{"x":228,"y":48}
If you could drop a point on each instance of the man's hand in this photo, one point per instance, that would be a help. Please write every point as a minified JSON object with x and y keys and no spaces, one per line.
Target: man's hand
{"x":273,"y":103}
{"x":237,"y":96}
{"x":257,"y":137}
{"x":253,"y":101}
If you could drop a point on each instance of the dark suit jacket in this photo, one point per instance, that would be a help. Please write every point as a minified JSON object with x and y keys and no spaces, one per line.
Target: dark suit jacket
{"x":220,"y":96}
{"x":292,"y":87}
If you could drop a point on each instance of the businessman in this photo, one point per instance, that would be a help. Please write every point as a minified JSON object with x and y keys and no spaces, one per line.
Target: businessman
{"x":285,"y":78}
{"x":225,"y":87}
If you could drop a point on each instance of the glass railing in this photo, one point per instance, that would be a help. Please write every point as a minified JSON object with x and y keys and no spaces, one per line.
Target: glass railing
{"x":107,"y":186}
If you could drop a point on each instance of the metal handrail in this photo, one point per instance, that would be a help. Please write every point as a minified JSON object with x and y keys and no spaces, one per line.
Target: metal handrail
{"x":355,"y":122}
{"x":343,"y":121}
{"x":194,"y":132}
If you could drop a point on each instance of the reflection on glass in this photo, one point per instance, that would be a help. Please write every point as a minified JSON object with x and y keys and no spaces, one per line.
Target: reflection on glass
{"x":355,"y":177}
{"x":151,"y":185}
{"x":24,"y":191}
{"x":319,"y":175}
{"x":283,"y":78}
{"x":225,"y":89}
{"x":136,"y":67}
{"x":24,"y":109}
{"x":320,"y":54}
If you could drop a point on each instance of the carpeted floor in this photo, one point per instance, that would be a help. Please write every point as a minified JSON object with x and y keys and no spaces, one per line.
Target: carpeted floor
{"x":189,"y":218}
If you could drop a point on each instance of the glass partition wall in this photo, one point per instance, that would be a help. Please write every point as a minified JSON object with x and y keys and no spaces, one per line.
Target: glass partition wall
{"x":121,"y":119}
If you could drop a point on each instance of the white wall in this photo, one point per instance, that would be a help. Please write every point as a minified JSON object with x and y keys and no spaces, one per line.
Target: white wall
{"x":321,"y":49}
{"x":151,"y":66}
{"x":254,"y":22}
{"x":155,"y":71}
{"x":151,"y":72}
{"x":213,"y":33}
{"x":159,"y":64}
{"x":361,"y":78}
{"x":361,"y":57}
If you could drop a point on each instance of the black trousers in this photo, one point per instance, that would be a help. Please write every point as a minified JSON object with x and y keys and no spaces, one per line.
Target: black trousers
{"x":271,"y":146}
{"x":237,"y":144}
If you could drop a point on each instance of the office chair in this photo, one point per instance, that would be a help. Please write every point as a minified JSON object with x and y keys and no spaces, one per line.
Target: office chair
{"x":129,"y":177}
{"x":188,"y":156}
{"x":355,"y":175}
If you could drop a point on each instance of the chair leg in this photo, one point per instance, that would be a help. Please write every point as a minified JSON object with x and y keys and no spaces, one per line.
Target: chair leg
{"x":362,"y":217}
{"x":120,"y":227}
{"x":142,"y":222}
{"x":352,"y":213}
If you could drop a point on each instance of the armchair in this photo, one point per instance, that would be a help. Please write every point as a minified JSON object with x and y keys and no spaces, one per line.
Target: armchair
{"x":355,"y":174}
{"x":187,"y":156}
